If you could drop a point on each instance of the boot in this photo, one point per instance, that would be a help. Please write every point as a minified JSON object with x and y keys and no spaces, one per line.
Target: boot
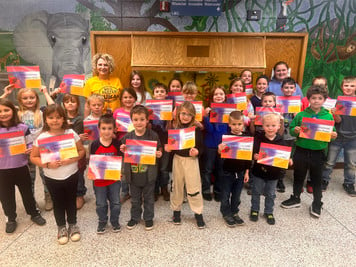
{"x":48,"y":202}
{"x":165,"y":193}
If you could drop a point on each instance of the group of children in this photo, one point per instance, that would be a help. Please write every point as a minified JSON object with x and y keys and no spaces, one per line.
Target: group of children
{"x":191,"y":168}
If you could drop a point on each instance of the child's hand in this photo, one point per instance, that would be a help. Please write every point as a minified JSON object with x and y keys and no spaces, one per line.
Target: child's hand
{"x":255,"y":156}
{"x":84,"y":136}
{"x":8,"y":89}
{"x":297,"y":129}
{"x":167,"y":148}
{"x":43,"y":89}
{"x":207,"y":110}
{"x":290,"y":162}
{"x":54,"y":164}
{"x":158,"y":154}
{"x":246,"y":176}
{"x":193,"y":152}
{"x":199,"y":125}
{"x":123,"y":148}
{"x":28,"y":151}
{"x":251,"y":116}
{"x":333,"y":135}
{"x":221,"y":147}
{"x":333,"y":110}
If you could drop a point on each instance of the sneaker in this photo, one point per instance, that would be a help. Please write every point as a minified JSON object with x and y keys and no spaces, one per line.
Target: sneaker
{"x":176,"y":218}
{"x":48,"y":202}
{"x":116,"y":228}
{"x":315,"y":210}
{"x":254,"y":216}
{"x":101,"y":228}
{"x":131,"y":224}
{"x":62,"y":235}
{"x":148,"y":225}
{"x":350,"y":189}
{"x":324,"y":185}
{"x":238,"y":220}
{"x":229,"y":221}
{"x":292,"y":202}
{"x":270,"y":219}
{"x":207,"y":196}
{"x":11,"y":227}
{"x":200,"y":221}
{"x":309,"y":188}
{"x":74,"y":232}
{"x":281,"y":188}
{"x":80,"y":202}
{"x":38,"y":219}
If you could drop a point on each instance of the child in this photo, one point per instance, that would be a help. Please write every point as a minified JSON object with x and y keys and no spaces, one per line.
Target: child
{"x":14,"y":171}
{"x":138,"y":84}
{"x":189,"y":91}
{"x":265,"y":177}
{"x":213,"y":135}
{"x":71,"y":105}
{"x":346,"y":139}
{"x":128,"y":99}
{"x":107,"y":190}
{"x":61,"y":176}
{"x":141,"y":177}
{"x":246,"y":76}
{"x":160,"y":92}
{"x":319,"y":80}
{"x":235,"y":173}
{"x":309,"y":154}
{"x":175,"y":85}
{"x":261,"y":87}
{"x":238,"y":86}
{"x":186,"y":168}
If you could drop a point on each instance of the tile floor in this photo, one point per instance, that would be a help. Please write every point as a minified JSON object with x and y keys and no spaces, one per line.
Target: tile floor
{"x":295,"y":240}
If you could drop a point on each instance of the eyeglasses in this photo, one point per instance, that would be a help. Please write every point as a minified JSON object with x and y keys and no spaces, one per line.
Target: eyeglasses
{"x":186,"y":114}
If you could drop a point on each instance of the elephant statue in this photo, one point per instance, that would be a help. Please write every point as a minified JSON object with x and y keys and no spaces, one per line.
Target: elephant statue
{"x":58,"y":43}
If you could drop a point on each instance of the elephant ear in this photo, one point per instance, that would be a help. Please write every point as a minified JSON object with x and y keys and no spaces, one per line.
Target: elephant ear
{"x":31,"y":42}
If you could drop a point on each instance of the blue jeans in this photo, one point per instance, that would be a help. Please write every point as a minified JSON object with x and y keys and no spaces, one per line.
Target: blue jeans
{"x":263,"y":187}
{"x":81,"y":189}
{"x":231,"y":187}
{"x":32,"y":168}
{"x":103,"y":194}
{"x":349,"y":146}
{"x":212,"y":161}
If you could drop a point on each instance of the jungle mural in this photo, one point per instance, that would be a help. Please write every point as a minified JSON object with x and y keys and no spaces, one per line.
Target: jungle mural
{"x":330,"y":23}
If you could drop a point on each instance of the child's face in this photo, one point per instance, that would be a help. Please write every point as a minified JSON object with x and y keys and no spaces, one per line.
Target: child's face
{"x":102,"y":67}
{"x":185,"y":117}
{"x":268,"y":102}
{"x":6,"y":114}
{"x":28,"y":100}
{"x":219,"y":96}
{"x":159,"y":93}
{"x":236,"y":126}
{"x":136,"y":81}
{"x":316,"y":101}
{"x":348,"y":88}
{"x":237,"y":87}
{"x":106,"y":131}
{"x":139,"y":122}
{"x":128,"y":101}
{"x":320,"y":82}
{"x":54,"y":121}
{"x":96,"y":107}
{"x":271,"y":126}
{"x":288,"y":89}
{"x":261,"y":85}
{"x":189,"y":96}
{"x":246,"y":76}
{"x":71,"y":105}
{"x":175,"y":86}
{"x":281,"y":72}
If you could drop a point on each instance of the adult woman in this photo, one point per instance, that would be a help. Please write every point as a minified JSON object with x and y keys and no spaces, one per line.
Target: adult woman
{"x":102,"y":83}
{"x":280,"y":73}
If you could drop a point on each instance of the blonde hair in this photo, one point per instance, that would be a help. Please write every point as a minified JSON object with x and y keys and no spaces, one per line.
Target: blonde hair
{"x":272,"y":116}
{"x":348,"y":79}
{"x":188,"y":106}
{"x":108,"y":58}
{"x":37,"y":121}
{"x":190,"y":88}
{"x":96,"y":97}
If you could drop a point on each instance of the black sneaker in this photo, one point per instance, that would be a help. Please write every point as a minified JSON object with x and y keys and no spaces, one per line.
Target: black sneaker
{"x":254,"y":216}
{"x":217,"y":197}
{"x":280,"y":186}
{"x":176,"y":218}
{"x":350,"y":189}
{"x":229,"y":221}
{"x":207,"y":196}
{"x":200,"y":221}
{"x":148,"y":225}
{"x":131,"y":224}
{"x":270,"y":219}
{"x":292,"y":202}
{"x":324,"y":185}
{"x":101,"y":228}
{"x":38,"y":219}
{"x":116,"y":228}
{"x":315,"y":209}
{"x":238,"y":220}
{"x":11,"y":227}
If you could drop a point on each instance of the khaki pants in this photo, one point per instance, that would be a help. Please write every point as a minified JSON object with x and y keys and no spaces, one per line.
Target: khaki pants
{"x":186,"y":172}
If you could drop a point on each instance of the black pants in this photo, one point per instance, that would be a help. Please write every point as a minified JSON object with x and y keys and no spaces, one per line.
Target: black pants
{"x":64,"y":194}
{"x":312,"y":160}
{"x":20,"y":177}
{"x":145,"y":193}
